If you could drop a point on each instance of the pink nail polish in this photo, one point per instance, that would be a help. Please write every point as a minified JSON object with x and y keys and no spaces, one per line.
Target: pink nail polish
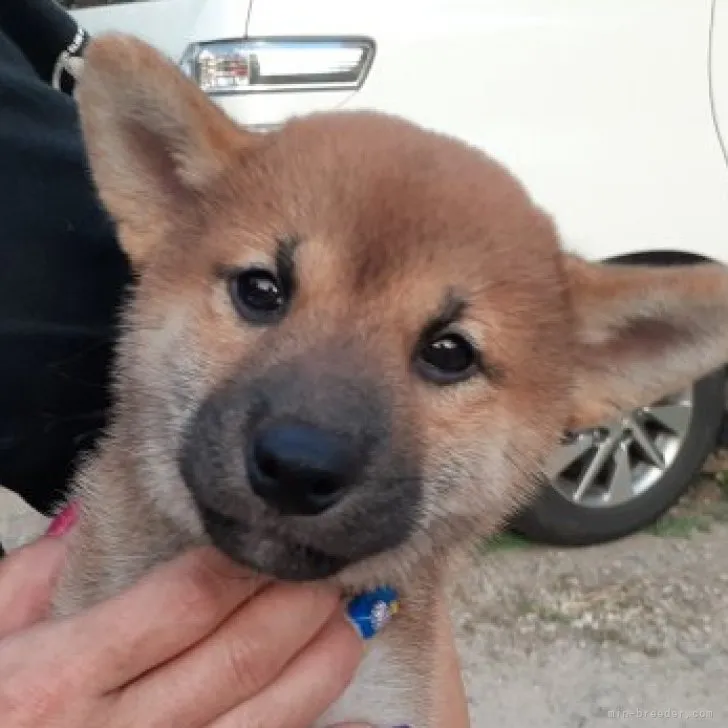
{"x":64,"y":521}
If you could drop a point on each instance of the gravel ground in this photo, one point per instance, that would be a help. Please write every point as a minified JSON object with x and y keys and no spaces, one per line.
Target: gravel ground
{"x":627,"y":634}
{"x":624,"y":634}
{"x":589,"y":637}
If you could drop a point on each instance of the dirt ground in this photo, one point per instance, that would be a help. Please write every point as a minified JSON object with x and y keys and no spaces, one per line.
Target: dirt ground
{"x":627,"y":634}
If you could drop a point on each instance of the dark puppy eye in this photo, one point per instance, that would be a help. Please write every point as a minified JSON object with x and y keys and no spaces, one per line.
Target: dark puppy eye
{"x":258,"y":295}
{"x":447,"y":359}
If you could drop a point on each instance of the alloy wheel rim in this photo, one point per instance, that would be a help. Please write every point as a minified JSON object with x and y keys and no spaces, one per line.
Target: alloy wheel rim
{"x":606,"y":467}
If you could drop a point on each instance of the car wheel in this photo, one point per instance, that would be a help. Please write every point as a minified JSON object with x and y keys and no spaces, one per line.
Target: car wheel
{"x":611,"y":481}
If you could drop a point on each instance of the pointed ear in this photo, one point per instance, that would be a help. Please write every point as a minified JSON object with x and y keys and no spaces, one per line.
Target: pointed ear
{"x":155,"y":141}
{"x":643,"y":333}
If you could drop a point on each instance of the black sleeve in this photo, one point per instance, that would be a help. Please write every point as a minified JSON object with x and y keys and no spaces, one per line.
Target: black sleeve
{"x":62,"y":275}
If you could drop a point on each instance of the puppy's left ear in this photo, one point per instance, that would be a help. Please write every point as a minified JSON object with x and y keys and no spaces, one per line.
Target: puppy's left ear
{"x":155,"y":141}
{"x":642,"y":333}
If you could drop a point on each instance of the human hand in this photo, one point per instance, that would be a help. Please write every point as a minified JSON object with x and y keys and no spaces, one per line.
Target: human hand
{"x":197,"y":643}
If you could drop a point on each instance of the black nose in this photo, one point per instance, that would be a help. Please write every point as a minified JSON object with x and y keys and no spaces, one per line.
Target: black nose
{"x":299,"y":469}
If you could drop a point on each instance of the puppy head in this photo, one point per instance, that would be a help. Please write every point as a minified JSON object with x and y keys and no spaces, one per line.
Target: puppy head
{"x":353,"y":341}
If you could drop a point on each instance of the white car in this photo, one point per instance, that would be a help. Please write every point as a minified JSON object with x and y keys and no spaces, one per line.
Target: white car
{"x":614,"y":115}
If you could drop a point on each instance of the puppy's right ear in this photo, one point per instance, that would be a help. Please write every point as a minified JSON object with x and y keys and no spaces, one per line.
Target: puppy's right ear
{"x":155,"y":141}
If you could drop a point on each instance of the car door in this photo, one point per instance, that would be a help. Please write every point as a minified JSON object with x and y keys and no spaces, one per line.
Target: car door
{"x":719,"y":73}
{"x":601,"y":108}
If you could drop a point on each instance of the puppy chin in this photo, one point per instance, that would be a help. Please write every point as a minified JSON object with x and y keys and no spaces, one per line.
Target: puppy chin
{"x":270,"y":555}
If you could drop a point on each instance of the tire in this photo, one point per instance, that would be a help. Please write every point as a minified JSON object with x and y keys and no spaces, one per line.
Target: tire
{"x":556,"y":520}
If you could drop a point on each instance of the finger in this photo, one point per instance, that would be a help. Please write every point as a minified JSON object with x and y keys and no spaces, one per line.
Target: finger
{"x":165,"y":613}
{"x":27,"y":578}
{"x":312,"y":682}
{"x":234,"y":663}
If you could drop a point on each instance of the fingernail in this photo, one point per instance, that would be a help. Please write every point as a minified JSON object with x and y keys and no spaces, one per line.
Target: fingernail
{"x":64,"y":521}
{"x":371,"y":611}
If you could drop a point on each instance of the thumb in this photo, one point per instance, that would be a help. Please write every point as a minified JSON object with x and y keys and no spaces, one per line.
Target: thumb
{"x":27,"y":578}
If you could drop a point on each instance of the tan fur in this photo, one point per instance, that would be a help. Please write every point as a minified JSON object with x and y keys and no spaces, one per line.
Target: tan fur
{"x":391,"y":219}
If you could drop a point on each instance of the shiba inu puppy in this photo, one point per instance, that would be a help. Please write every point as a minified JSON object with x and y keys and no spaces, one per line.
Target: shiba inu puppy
{"x":352,"y":344}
